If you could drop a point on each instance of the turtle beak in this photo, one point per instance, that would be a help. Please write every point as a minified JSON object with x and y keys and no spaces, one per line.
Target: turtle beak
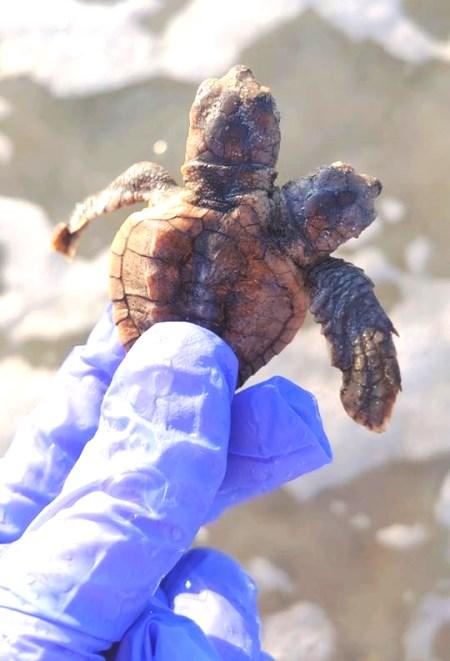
{"x":374,"y":185}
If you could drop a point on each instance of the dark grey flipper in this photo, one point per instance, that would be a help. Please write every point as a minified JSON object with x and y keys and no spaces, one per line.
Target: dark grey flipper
{"x":140,"y":183}
{"x":360,"y":334}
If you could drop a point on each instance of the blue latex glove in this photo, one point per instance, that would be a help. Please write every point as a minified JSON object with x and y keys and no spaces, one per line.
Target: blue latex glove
{"x":108,"y":481}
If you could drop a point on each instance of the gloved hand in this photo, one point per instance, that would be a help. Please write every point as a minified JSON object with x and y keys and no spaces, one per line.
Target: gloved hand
{"x":107,"y":483}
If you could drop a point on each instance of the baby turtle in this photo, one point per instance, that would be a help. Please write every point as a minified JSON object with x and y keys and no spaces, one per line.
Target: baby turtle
{"x":234,"y":253}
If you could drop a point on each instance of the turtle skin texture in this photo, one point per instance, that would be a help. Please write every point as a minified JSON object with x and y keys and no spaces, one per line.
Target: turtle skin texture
{"x":235,"y":253}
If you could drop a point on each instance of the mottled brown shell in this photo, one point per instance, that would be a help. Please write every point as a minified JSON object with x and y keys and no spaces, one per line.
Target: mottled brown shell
{"x":178,"y":261}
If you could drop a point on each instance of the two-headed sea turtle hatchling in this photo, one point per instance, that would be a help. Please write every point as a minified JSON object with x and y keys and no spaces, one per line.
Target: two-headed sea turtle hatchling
{"x":245,"y":258}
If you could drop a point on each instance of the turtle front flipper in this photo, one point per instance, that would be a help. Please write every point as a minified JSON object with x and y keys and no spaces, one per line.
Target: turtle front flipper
{"x":360,"y":334}
{"x":140,"y":183}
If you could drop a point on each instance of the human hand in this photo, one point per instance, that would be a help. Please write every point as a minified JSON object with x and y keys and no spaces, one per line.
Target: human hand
{"x":108,"y":481}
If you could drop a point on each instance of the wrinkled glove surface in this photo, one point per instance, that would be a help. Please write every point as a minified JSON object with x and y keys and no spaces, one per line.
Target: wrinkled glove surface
{"x":107,"y":483}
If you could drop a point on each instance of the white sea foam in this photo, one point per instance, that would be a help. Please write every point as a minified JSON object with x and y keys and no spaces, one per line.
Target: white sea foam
{"x":402,"y":537}
{"x":391,"y":209}
{"x":6,"y":148}
{"x":268,"y":576}
{"x":442,"y":505}
{"x":77,"y":48}
{"x":432,"y":612}
{"x":21,"y":386}
{"x":418,"y":253}
{"x":6,"y":144}
{"x":360,"y":521}
{"x":339,"y":507}
{"x":45,"y":297}
{"x":385,"y":23}
{"x":5,"y":108}
{"x":222,"y":30}
{"x":300,"y":632}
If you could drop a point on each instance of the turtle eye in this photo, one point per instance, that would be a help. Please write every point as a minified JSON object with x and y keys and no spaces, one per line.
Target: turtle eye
{"x":320,"y":204}
{"x":345,"y":198}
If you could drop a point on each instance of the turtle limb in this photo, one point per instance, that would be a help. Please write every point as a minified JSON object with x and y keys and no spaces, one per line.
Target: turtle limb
{"x":360,"y":334}
{"x":140,"y":183}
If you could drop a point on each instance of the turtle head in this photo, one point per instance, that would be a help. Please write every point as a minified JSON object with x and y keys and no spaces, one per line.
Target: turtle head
{"x":234,"y":137}
{"x":329,"y":207}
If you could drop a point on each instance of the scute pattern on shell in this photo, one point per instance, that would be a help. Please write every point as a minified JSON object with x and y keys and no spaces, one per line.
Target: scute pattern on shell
{"x":212,"y":273}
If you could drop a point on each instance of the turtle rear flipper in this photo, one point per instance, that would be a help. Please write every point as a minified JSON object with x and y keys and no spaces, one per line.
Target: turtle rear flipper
{"x":360,"y":334}
{"x":140,"y":183}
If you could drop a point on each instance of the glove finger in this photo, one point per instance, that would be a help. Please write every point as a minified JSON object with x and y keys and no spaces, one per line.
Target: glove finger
{"x":211,"y":589}
{"x":276,"y":436}
{"x":161,"y":635}
{"x":50,"y":439}
{"x":139,"y":492}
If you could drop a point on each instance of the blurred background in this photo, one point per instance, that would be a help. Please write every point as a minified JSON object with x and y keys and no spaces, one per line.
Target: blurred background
{"x":352,"y":562}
